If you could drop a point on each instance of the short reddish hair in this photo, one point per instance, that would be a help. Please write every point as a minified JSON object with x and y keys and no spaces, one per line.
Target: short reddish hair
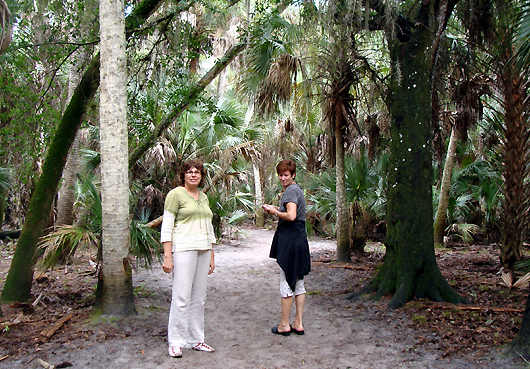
{"x":286,"y":165}
{"x":193,"y":163}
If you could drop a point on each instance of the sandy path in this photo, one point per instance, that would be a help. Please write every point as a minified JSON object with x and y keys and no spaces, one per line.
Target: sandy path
{"x":242,"y":306}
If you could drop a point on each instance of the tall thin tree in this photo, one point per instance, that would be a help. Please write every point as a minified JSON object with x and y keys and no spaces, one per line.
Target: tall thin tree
{"x":115,"y":291}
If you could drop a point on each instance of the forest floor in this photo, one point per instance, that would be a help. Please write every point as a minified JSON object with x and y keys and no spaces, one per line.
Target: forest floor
{"x":243,"y":304}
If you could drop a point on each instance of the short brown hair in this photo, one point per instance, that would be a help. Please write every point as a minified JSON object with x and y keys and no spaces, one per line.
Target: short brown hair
{"x":286,"y":165}
{"x":193,"y":163}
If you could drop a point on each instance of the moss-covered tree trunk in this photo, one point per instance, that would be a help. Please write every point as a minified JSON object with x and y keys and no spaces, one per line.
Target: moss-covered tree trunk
{"x":20,"y":276}
{"x":410,"y":267}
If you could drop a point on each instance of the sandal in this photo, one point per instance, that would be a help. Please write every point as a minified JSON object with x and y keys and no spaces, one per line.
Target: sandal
{"x":276,"y":331}
{"x":300,"y":333}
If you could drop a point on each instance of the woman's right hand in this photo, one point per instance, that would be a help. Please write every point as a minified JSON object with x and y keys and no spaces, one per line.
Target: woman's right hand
{"x":167,"y":264}
{"x":270,"y":208}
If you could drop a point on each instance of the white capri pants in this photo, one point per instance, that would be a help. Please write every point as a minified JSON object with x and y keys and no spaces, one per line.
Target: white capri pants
{"x":186,"y":315}
{"x":285,"y":290}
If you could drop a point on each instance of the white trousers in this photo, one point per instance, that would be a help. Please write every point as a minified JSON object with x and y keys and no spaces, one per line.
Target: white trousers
{"x":186,"y":315}
{"x":285,"y":290}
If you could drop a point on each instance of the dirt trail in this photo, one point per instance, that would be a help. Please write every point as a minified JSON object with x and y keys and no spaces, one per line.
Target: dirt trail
{"x":242,"y":306}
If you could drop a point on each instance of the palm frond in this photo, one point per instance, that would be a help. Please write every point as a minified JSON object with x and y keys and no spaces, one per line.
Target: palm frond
{"x":144,"y":242}
{"x":522,"y":282}
{"x":465,"y":231}
{"x":63,"y":241}
{"x":507,"y":280}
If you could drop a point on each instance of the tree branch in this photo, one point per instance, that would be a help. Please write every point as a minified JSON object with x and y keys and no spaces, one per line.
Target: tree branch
{"x":187,"y":101}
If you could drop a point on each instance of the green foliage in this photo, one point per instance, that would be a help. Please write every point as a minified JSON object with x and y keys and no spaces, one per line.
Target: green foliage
{"x":65,"y":240}
{"x":230,"y":209}
{"x":365,"y":186}
{"x":145,"y":241}
{"x":475,"y":194}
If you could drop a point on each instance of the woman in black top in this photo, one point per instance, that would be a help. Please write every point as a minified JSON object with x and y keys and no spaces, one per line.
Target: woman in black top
{"x":290,"y":248}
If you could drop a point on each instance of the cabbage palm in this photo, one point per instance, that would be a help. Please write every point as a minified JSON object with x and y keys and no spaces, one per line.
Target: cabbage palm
{"x":513,"y":105}
{"x":521,"y":344}
{"x":17,"y":286}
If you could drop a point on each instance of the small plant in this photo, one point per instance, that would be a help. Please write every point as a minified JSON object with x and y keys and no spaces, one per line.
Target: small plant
{"x":422,"y":319}
{"x":141,"y":291}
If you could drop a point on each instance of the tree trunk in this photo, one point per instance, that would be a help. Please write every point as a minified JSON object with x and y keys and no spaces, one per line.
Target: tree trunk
{"x":66,"y":196}
{"x":260,"y":218}
{"x":115,"y":278}
{"x":514,"y":153}
{"x":17,"y":286}
{"x":2,"y":206}
{"x":5,"y":27}
{"x":521,"y":343}
{"x":445,"y":187}
{"x":410,"y":267}
{"x":343,"y":220}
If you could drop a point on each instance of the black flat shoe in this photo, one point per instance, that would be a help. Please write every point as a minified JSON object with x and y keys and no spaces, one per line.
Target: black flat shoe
{"x":276,"y":331}
{"x":300,"y":333}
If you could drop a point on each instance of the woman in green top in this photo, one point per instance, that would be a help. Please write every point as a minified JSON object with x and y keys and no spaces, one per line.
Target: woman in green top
{"x":187,"y":236}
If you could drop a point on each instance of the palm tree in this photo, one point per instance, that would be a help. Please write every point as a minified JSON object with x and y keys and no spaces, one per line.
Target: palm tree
{"x":496,"y":29}
{"x":115,"y":291}
{"x":520,"y":345}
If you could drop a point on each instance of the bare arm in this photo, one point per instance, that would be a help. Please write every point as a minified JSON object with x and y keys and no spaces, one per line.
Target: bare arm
{"x":288,"y":215}
{"x":167,"y":264}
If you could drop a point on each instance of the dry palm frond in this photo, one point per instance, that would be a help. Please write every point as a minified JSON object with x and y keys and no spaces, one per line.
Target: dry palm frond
{"x":162,"y":155}
{"x":507,"y":280}
{"x":279,"y":83}
{"x":246,"y":149}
